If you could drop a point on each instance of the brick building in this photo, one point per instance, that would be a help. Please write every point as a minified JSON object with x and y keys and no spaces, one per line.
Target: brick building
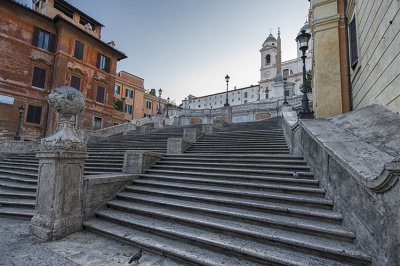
{"x":136,"y":101}
{"x":51,"y":45}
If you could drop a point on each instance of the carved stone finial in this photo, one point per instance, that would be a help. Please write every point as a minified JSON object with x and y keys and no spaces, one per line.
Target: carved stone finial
{"x":68,"y":102}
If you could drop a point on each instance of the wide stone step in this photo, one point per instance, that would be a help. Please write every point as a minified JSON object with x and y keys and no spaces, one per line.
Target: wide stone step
{"x":237,"y":164}
{"x":21,"y":213}
{"x":228,"y":170}
{"x":236,"y":186}
{"x":271,"y":161}
{"x":102,"y":168}
{"x":236,"y":151}
{"x":239,"y":156}
{"x":18,"y":179}
{"x":234,"y":236}
{"x":13,"y":163}
{"x":154,"y":173}
{"x":212,"y":139}
{"x":265,"y":185}
{"x":269,"y":196}
{"x":186,"y":252}
{"x":334,"y":231}
{"x":17,"y":203}
{"x":17,"y":186}
{"x":24,"y":168}
{"x":17,"y":194}
{"x":16,"y":172}
{"x":241,"y":143}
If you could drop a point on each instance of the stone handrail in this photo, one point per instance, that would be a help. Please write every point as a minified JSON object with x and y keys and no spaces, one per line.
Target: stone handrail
{"x":14,"y":147}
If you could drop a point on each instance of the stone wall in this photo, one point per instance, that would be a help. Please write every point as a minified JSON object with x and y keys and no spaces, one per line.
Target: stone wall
{"x":360,"y":178}
{"x":376,"y":78}
{"x":15,"y":147}
{"x":97,"y":190}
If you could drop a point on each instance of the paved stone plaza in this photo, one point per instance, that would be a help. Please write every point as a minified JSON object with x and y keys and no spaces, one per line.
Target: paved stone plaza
{"x":19,"y":247}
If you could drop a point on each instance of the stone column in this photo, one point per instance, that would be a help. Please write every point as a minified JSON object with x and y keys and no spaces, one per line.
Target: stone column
{"x":61,"y":168}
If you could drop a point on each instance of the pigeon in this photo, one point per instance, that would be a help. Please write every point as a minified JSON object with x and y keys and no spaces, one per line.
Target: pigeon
{"x":295,"y":174}
{"x":136,"y":257}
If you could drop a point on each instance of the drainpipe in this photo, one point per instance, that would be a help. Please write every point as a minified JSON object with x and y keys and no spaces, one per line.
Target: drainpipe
{"x":347,"y":57}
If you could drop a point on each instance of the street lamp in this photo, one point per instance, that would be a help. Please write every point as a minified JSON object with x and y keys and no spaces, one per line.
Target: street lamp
{"x":302,"y":39}
{"x":285,"y":102}
{"x":21,"y":110}
{"x":159,"y":102}
{"x":167,"y":107}
{"x":227,"y":81}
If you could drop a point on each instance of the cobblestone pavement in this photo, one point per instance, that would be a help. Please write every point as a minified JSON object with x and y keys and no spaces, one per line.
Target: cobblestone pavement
{"x":19,"y":247}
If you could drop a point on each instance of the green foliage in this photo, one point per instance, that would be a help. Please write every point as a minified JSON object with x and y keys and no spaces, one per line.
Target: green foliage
{"x":309,"y":81}
{"x":153,"y":92}
{"x":118,"y":105}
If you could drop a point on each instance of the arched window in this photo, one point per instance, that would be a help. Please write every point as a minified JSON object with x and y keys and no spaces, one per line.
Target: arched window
{"x":267,"y":59}
{"x":287,"y":72}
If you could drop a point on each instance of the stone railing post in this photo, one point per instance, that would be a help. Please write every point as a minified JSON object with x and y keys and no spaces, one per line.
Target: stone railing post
{"x":61,"y":168}
{"x":191,"y":135}
{"x":177,"y":145}
{"x":137,"y":161}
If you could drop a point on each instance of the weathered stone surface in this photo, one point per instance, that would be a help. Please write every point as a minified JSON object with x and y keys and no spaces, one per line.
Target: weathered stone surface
{"x":207,"y":129}
{"x":18,"y":247}
{"x":374,"y":124}
{"x":177,"y":145}
{"x":137,"y":161}
{"x":59,"y":195}
{"x":68,"y":102}
{"x":359,"y":177}
{"x":98,"y":189}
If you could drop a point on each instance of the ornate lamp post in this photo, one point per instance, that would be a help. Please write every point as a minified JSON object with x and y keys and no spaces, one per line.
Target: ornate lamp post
{"x":168,"y":99}
{"x":227,"y":82}
{"x":303,"y":38}
{"x":21,"y":110}
{"x":159,"y":102}
{"x":285,"y":102}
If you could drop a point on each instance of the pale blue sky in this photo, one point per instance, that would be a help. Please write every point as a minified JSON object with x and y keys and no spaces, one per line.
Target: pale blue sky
{"x":188,"y":46}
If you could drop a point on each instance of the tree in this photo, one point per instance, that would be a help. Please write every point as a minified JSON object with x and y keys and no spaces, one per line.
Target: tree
{"x":309,"y":80}
{"x":153,"y":92}
{"x":118,"y":105}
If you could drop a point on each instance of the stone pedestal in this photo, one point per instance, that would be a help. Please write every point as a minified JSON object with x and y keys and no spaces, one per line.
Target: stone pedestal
{"x":228,"y":114}
{"x":62,"y":157}
{"x":59,"y":197}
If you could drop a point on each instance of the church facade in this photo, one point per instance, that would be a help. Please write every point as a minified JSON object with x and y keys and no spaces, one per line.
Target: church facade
{"x":276,"y":78}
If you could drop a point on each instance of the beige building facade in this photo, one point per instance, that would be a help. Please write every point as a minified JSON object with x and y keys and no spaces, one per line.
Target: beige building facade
{"x":356,"y":55}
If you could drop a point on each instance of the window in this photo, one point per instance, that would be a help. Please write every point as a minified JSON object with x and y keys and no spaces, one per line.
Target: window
{"x":238,"y":99}
{"x":353,"y":43}
{"x":266,"y":93}
{"x":100,"y":94}
{"x":34,"y":114}
{"x":199,"y":106}
{"x":97,"y":122}
{"x":245,"y":101}
{"x":268,"y":59}
{"x":148,"y":104}
{"x":252,"y":96}
{"x":117,"y":89}
{"x":220,"y":102}
{"x":245,"y":94}
{"x":79,"y":47}
{"x":43,"y":39}
{"x":39,"y":77}
{"x":103,"y":62}
{"x":128,"y":109}
{"x":129,"y":93}
{"x":75,"y":82}
{"x":233,"y":100}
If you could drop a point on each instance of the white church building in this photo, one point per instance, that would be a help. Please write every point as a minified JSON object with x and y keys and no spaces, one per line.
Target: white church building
{"x":275,"y":77}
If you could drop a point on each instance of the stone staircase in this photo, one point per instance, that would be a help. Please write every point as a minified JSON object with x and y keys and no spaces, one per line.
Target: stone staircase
{"x":18,"y":174}
{"x":232,"y":199}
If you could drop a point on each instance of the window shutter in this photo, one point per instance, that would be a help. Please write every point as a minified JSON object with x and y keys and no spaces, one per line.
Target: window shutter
{"x":98,"y":60}
{"x":107,"y":64}
{"x":53,"y":43}
{"x":35,"y":36}
{"x":353,"y":44}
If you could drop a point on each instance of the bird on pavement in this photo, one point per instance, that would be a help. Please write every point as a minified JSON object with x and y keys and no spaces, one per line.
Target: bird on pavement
{"x":135,"y":258}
